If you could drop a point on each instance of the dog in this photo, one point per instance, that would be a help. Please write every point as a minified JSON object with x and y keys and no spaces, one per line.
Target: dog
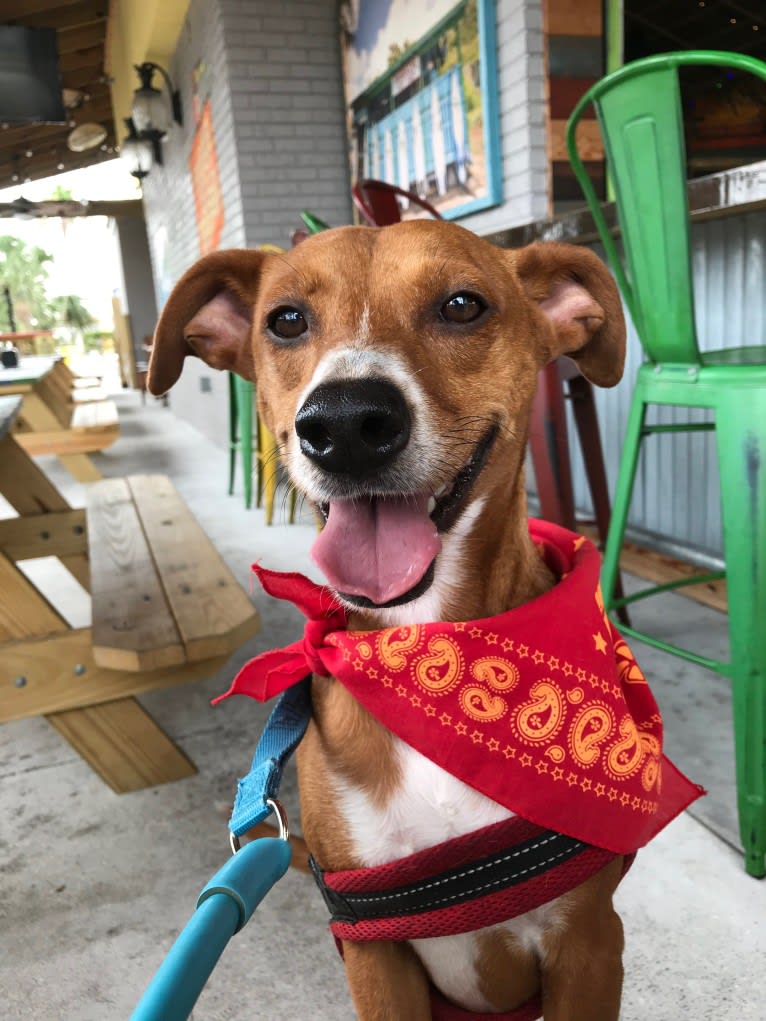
{"x":396,"y":368}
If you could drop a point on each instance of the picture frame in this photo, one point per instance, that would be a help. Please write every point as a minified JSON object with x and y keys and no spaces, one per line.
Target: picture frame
{"x":421,"y":98}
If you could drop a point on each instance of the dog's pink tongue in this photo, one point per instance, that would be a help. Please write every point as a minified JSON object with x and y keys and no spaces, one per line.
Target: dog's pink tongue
{"x":377,"y":548}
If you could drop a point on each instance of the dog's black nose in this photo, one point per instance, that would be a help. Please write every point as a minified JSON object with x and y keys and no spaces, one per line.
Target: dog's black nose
{"x":353,"y":427}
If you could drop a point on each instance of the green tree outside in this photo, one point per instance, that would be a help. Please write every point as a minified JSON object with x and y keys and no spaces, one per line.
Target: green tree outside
{"x":72,"y":314}
{"x":23,"y":270}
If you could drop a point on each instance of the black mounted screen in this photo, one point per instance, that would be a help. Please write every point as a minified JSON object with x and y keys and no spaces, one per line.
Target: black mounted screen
{"x":30,"y":83}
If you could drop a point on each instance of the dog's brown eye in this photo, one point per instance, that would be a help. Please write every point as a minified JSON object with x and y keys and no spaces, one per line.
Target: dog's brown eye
{"x":462,"y":308}
{"x":287,"y":323}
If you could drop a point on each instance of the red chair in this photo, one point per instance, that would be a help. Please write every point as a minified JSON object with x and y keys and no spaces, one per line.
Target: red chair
{"x":378,"y":204}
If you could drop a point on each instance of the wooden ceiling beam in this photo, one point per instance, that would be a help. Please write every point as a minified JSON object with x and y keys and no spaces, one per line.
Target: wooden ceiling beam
{"x":48,"y":153}
{"x":20,"y":139}
{"x":81,"y":38}
{"x":93,"y":56}
{"x":47,"y":168}
{"x":85,"y":77}
{"x":54,"y":136}
{"x":9,"y":9}
{"x":71,"y":16}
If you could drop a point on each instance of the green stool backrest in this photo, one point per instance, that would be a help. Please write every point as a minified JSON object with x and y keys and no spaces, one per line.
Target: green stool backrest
{"x":639,"y":113}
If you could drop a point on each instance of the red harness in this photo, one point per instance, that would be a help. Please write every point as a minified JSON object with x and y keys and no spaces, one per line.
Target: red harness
{"x":483,"y":878}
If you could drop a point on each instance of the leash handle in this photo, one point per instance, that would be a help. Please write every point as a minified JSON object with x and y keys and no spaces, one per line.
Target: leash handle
{"x":224,"y":906}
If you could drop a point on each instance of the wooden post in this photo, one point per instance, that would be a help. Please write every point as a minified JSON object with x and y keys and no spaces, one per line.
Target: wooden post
{"x":574,"y":34}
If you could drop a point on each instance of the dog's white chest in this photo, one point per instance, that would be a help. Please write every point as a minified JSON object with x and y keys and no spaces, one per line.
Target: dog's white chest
{"x":428,"y":807}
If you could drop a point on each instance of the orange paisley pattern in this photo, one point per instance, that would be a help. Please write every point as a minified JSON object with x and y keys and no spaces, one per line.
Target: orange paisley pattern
{"x":478,"y":704}
{"x":394,"y":644}
{"x":590,"y":728}
{"x":540,"y":718}
{"x":627,"y":755}
{"x":498,"y":674}
{"x":440,"y":669}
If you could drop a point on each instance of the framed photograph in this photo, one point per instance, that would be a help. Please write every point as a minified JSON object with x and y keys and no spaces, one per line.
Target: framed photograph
{"x":421,"y":98}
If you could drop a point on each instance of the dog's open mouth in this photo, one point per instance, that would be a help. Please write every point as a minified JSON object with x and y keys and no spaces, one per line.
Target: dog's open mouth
{"x":381,"y":551}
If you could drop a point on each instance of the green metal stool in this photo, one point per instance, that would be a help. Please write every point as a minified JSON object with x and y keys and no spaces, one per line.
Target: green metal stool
{"x":241,"y":439}
{"x":639,"y":112}
{"x":241,"y":394}
{"x":248,"y":432}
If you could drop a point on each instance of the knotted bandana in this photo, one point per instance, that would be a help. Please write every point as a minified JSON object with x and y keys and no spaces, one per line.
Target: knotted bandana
{"x":543,"y":708}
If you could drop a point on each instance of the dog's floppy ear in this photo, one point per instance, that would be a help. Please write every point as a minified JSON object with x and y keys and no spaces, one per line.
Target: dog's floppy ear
{"x":208,"y":314}
{"x":578,"y":296}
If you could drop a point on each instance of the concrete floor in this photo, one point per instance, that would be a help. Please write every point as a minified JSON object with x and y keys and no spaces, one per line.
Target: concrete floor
{"x":95,"y":886}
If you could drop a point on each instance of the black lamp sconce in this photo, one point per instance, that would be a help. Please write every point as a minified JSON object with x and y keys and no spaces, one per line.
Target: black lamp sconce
{"x":150,"y":112}
{"x":139,"y":153}
{"x":150,"y":120}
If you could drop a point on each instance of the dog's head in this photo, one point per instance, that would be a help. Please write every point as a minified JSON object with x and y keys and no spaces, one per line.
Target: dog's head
{"x":396,"y":369}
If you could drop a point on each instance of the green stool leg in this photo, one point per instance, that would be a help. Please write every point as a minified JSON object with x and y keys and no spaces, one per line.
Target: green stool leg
{"x":258,"y":460}
{"x":741,"y":438}
{"x":233,"y":432}
{"x":631,"y":448}
{"x":267,"y":455}
{"x":245,"y":417}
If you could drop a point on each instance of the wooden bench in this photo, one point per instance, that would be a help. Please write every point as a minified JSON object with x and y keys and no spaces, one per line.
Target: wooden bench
{"x":92,"y":427}
{"x":53,"y":419}
{"x":166,"y":610}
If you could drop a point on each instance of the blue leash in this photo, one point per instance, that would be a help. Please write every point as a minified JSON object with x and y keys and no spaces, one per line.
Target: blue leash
{"x":228,"y":901}
{"x":281,"y":736}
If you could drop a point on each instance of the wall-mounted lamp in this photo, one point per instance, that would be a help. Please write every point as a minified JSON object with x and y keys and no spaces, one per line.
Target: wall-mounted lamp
{"x":140,"y":154}
{"x":152,"y":115}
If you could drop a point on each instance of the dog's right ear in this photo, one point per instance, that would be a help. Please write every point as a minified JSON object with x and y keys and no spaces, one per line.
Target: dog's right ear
{"x":208,"y":314}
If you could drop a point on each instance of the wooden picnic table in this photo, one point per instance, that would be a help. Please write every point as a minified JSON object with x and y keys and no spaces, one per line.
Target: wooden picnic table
{"x":165,"y":610}
{"x":57,"y":417}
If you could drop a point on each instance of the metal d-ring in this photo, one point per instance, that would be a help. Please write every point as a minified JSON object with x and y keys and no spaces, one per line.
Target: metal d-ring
{"x":284,"y":829}
{"x":279,"y":811}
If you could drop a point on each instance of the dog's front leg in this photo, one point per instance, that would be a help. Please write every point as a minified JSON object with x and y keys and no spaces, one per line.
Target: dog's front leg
{"x":582,"y":962}
{"x":387,"y":982}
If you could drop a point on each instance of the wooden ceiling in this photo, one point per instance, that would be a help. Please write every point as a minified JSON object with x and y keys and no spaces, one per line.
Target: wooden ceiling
{"x":81,"y":27}
{"x":653,"y":26}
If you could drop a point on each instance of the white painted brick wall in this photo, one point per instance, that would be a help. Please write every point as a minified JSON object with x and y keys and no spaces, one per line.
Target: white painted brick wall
{"x":289,"y":114}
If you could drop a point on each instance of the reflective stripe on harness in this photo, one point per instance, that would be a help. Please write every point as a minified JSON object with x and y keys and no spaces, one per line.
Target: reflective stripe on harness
{"x":482,"y":878}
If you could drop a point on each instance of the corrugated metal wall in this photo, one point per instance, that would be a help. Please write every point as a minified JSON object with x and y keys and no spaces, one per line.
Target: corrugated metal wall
{"x":676,"y":498}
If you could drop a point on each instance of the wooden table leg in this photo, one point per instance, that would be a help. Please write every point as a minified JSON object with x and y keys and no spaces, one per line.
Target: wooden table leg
{"x":80,"y":467}
{"x":123,"y":744}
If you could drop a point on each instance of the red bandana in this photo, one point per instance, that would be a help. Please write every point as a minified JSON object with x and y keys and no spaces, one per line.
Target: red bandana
{"x":543,"y":708}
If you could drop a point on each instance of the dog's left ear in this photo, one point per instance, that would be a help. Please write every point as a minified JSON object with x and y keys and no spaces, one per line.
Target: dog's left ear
{"x":579,"y":298}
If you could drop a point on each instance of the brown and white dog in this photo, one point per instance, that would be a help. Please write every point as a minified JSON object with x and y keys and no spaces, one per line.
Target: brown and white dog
{"x":396,"y":368}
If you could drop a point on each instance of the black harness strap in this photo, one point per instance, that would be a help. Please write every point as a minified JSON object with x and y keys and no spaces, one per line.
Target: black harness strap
{"x":513,"y":865}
